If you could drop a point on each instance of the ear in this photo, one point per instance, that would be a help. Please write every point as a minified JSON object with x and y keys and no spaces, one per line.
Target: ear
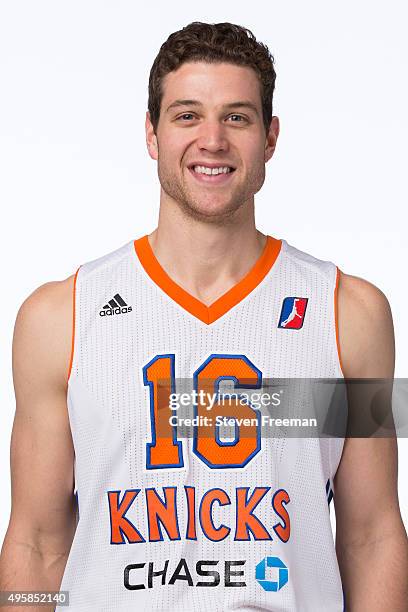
{"x":271,"y":138}
{"x":151,"y":138}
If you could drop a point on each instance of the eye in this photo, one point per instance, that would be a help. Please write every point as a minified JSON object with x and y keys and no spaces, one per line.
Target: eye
{"x":240,"y":118}
{"x":184,"y":115}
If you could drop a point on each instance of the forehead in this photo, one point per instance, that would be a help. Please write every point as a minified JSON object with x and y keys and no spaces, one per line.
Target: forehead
{"x":212,"y":84}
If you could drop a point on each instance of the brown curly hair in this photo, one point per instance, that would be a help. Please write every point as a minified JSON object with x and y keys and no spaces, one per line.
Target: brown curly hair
{"x":212,"y":43}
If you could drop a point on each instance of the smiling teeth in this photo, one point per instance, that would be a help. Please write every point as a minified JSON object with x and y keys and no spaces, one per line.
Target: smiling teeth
{"x":205,"y":170}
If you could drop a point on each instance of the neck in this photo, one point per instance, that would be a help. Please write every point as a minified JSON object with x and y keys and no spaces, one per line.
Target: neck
{"x":206,"y":258}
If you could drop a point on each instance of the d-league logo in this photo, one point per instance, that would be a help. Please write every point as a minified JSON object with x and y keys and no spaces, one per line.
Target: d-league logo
{"x":116,"y":305}
{"x":293,"y":312}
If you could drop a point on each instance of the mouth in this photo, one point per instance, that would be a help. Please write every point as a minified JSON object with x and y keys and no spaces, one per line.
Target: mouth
{"x":211,"y":175}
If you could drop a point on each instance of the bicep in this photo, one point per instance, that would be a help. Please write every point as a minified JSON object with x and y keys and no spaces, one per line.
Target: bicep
{"x":42,"y":454}
{"x":366,"y":494}
{"x":365,"y":485}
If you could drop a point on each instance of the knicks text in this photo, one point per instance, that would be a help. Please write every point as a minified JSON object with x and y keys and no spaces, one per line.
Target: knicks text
{"x":162,"y":513}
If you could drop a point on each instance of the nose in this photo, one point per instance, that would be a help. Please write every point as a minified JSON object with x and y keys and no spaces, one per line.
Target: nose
{"x":212,"y":137}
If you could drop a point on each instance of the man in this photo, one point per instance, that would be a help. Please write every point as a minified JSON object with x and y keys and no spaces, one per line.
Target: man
{"x":214,"y":522}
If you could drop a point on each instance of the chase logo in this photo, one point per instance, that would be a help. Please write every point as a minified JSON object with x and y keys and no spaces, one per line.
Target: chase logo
{"x":281,"y":573}
{"x":293,"y":312}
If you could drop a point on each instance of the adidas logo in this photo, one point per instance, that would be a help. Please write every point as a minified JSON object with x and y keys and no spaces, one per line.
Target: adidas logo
{"x":117,"y":305}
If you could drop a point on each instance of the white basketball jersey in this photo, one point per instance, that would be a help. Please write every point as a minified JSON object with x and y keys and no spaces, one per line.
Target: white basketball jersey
{"x":225,"y":516}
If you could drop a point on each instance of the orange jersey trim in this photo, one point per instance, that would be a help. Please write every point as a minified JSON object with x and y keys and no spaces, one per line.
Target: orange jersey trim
{"x":336,"y":317}
{"x":73,"y":326}
{"x":207,"y":314}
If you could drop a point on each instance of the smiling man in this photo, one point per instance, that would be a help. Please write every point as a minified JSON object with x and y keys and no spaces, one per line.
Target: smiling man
{"x":212,"y":142}
{"x":121,"y":503}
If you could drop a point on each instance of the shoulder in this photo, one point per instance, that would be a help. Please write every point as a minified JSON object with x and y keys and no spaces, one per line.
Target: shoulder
{"x":47,"y":300}
{"x":362,"y":303}
{"x":361,"y":292}
{"x":365,"y":328}
{"x":43,"y":330}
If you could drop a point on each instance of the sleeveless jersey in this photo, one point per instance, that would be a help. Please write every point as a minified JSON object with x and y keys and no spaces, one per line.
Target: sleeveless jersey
{"x":213,"y":519}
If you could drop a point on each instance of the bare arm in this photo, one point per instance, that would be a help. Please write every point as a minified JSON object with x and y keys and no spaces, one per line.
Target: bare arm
{"x":43,"y":512}
{"x":371,"y":541}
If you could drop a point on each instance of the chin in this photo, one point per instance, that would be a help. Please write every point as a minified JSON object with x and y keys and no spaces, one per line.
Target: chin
{"x":211,"y":213}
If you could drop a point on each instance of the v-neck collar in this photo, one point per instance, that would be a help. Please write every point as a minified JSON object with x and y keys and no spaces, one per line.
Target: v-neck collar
{"x":207,"y":314}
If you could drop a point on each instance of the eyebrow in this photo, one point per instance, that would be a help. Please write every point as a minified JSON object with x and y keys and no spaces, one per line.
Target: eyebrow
{"x":237,"y":104}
